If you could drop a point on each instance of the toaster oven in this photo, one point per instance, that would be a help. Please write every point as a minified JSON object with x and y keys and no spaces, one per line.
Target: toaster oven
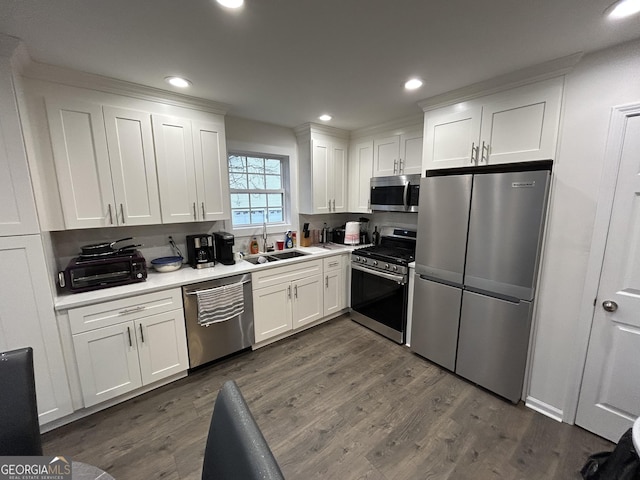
{"x":85,"y":274}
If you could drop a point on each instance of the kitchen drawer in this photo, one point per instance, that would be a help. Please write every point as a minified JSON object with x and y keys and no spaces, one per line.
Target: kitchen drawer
{"x":104,"y":314}
{"x":277,"y":275}
{"x":333,"y":263}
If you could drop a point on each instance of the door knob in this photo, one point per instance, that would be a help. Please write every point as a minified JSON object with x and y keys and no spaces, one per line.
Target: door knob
{"x":610,"y":305}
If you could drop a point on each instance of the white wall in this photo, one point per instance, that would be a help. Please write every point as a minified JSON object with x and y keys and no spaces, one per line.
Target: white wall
{"x":599,"y":82}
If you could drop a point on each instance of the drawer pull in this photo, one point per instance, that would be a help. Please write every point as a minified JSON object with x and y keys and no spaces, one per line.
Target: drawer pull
{"x":129,"y":334}
{"x":127,"y":311}
{"x":141,"y":334}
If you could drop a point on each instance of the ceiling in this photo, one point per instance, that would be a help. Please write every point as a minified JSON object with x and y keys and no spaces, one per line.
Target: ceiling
{"x":288,"y":61}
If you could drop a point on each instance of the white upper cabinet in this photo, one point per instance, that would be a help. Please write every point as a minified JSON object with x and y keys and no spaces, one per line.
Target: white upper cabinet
{"x":105,"y":164}
{"x":360,"y":173}
{"x":398,"y":154}
{"x":323,"y":172}
{"x":518,"y":125}
{"x":17,"y":206}
{"x":192,"y":169}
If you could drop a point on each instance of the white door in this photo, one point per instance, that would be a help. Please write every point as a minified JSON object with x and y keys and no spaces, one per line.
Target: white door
{"x":386,"y":152}
{"x":307,"y":300}
{"x":610,"y":394}
{"x":338,"y":177}
{"x":360,"y":173}
{"x":27,"y":319}
{"x":212,"y":171}
{"x":162,"y":345}
{"x":272,"y":311}
{"x":133,"y":166}
{"x":107,"y":362}
{"x":411,"y":153}
{"x":82,"y":165}
{"x":17,"y":206}
{"x":320,"y":174}
{"x":176,"y":169}
{"x":451,"y":138}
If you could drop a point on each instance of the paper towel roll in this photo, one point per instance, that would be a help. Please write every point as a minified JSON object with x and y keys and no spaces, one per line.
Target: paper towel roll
{"x":352,"y":233}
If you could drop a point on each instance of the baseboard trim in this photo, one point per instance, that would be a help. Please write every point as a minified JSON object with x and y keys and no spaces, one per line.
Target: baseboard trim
{"x":544,"y":408}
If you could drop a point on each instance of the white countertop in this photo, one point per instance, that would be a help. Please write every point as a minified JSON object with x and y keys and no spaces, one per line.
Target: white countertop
{"x":186,"y":275}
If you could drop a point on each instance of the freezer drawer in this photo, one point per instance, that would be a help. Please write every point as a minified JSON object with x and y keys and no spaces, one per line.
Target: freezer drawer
{"x":442,"y":227}
{"x":436,"y":312}
{"x":505,"y":229}
{"x":493,"y":343}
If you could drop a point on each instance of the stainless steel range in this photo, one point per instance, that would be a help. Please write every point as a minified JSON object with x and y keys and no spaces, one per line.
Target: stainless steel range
{"x":380,"y":283}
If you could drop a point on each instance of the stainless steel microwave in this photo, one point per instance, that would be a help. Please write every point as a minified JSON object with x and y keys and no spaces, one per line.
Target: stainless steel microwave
{"x":398,"y":193}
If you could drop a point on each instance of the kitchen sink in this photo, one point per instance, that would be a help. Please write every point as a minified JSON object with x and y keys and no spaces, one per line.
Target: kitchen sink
{"x":255,"y":260}
{"x":291,"y":254}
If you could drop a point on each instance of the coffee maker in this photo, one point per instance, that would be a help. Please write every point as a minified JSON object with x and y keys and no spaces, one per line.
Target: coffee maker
{"x":200,"y":250}
{"x":224,"y":248}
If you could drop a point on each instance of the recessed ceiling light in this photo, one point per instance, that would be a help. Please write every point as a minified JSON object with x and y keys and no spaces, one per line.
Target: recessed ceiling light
{"x":623,"y":8}
{"x":325,"y":117}
{"x":413,"y":83}
{"x":178,"y":82}
{"x":231,"y":3}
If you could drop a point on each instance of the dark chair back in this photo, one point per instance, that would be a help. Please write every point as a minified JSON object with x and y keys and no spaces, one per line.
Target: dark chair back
{"x":236,"y":447}
{"x":19,"y":428}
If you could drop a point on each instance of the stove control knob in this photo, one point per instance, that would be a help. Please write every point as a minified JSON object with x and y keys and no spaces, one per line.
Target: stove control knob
{"x":395,"y":268}
{"x":386,"y":265}
{"x":356,"y":258}
{"x":375,"y":262}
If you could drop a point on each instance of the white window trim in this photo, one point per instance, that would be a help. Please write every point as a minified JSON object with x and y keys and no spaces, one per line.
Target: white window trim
{"x":291,"y":223}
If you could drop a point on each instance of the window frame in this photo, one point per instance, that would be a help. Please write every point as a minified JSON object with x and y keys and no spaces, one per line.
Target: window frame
{"x":285,"y":190}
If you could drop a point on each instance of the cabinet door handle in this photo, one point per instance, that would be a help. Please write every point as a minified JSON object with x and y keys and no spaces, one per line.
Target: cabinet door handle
{"x":474,"y":152}
{"x":334,"y":204}
{"x":141,"y":334}
{"x":329,"y":204}
{"x":110,"y":215}
{"x":326,"y":281}
{"x":400,"y":166}
{"x":295,"y":291}
{"x":485,"y":148}
{"x":289,"y":291}
{"x":395,"y":165}
{"x":129,"y":334}
{"x":122,"y":212}
{"x":195,"y":214}
{"x":204,"y":215}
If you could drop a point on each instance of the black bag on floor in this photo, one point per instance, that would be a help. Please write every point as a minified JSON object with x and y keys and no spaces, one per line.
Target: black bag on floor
{"x":621,"y":464}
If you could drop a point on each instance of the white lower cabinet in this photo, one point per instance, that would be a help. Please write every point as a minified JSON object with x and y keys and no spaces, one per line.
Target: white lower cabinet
{"x":334,"y":285}
{"x":137,"y":347}
{"x":285,"y":298}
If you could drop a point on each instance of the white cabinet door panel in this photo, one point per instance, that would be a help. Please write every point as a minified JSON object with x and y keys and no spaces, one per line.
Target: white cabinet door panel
{"x":307,"y":302}
{"x":107,"y":361}
{"x":333,"y":292}
{"x":212,"y":172}
{"x":339,"y":177}
{"x":82,"y":162}
{"x":133,"y":166}
{"x":360,"y":173}
{"x":272,"y":311}
{"x":162,"y":345}
{"x":176,"y":169}
{"x":450,"y":139}
{"x":386,"y":152}
{"x":411,"y":153}
{"x":320,"y":172}
{"x":27,"y":320}
{"x":17,"y":206}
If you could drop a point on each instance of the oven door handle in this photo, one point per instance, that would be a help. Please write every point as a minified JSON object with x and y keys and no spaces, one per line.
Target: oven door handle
{"x":399,"y":279}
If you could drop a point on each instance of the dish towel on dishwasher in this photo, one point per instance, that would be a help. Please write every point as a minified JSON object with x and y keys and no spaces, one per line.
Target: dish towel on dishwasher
{"x":220,"y":304}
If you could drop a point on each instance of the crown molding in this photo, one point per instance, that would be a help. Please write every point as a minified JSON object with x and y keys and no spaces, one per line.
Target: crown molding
{"x":397,"y":126}
{"x":306,"y":128}
{"x":74,"y":78}
{"x":537,"y":73}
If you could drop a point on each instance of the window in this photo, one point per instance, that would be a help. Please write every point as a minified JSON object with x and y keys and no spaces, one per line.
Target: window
{"x":257,"y":188}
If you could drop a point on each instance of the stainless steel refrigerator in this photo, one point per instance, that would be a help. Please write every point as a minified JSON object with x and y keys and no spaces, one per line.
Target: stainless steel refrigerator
{"x":479,"y":238}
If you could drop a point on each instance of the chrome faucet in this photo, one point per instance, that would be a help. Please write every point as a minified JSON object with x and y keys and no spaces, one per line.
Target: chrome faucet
{"x":264,"y":237}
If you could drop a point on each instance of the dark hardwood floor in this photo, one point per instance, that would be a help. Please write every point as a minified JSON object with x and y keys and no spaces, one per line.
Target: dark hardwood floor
{"x":335,"y":402}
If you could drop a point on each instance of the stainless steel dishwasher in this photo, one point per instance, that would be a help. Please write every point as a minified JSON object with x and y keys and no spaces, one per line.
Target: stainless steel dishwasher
{"x":207,"y":343}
